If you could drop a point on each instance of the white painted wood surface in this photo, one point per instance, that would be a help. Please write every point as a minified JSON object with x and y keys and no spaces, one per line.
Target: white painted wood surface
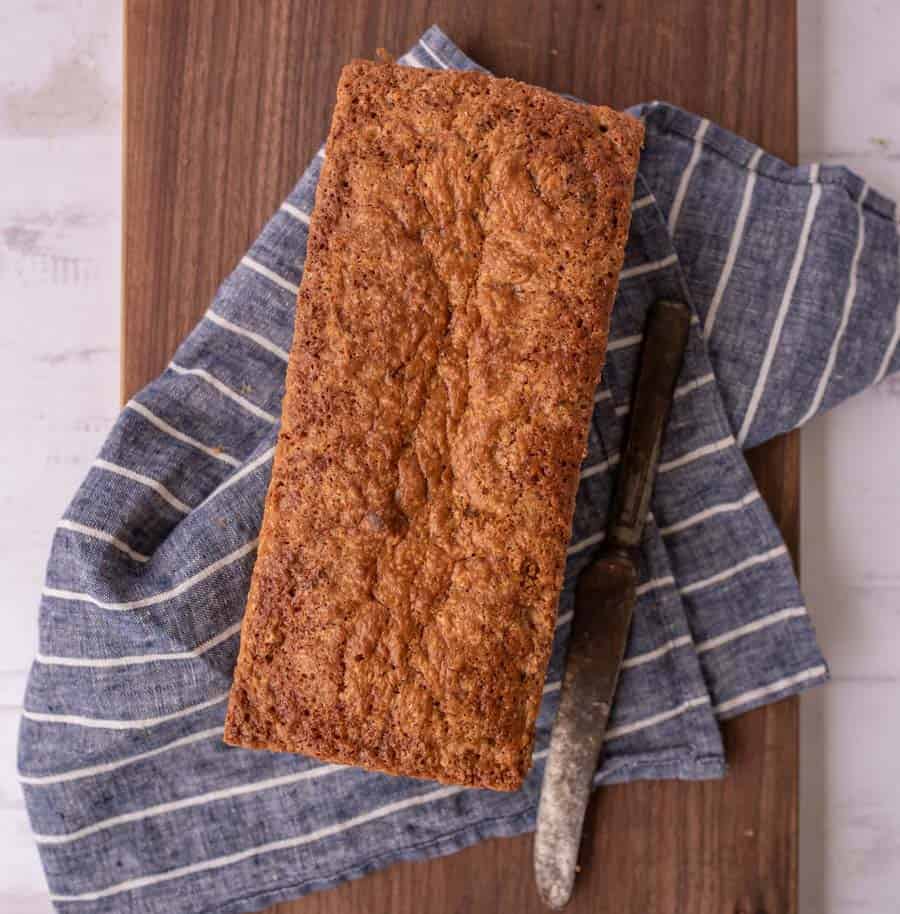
{"x":60,"y":224}
{"x":850,"y":509}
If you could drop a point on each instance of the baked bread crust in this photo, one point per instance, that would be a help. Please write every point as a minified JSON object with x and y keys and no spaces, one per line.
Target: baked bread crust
{"x":451,"y":325}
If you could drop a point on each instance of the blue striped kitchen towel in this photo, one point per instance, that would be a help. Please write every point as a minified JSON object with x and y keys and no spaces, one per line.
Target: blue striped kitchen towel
{"x":135,"y":801}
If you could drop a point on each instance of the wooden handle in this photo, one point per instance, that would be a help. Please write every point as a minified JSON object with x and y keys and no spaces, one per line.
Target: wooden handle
{"x":665,"y":339}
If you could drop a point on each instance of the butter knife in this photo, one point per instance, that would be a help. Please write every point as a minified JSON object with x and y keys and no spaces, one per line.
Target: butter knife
{"x":605,"y":595}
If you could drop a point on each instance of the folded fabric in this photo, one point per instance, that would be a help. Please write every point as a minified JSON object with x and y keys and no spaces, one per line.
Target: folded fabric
{"x":134,"y":799}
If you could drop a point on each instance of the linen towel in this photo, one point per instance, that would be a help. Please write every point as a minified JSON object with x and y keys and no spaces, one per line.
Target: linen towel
{"x":135,"y":801}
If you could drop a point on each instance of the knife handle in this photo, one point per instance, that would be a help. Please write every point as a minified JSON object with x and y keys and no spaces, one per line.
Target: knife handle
{"x":665,"y":339}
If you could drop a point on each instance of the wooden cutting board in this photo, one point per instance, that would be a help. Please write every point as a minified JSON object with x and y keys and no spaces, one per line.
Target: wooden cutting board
{"x":225,"y":102}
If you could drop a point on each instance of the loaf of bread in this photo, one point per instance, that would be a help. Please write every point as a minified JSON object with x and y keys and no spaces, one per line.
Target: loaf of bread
{"x":451,"y":326}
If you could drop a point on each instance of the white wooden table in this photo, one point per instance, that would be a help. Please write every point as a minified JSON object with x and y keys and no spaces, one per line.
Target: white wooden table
{"x":850,"y":508}
{"x":60,"y":222}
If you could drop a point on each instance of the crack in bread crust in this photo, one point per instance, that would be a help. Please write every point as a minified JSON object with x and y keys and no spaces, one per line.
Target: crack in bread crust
{"x":450,"y":330}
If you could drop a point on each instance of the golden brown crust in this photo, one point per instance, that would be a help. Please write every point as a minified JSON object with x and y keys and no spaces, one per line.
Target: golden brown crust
{"x":451,"y":325}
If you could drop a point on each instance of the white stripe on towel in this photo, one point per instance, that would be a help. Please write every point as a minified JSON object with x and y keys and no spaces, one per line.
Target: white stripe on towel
{"x":271,"y":275}
{"x":849,"y":299}
{"x":705,"y":451}
{"x":782,"y":615}
{"x":103,"y":536}
{"x":79,"y":720}
{"x":691,"y":386}
{"x":257,"y":338}
{"x":655,"y":584}
{"x":586,"y":543}
{"x":734,"y":245}
{"x":90,"y":771}
{"x":245,"y":470}
{"x":891,"y":349}
{"x":651,"y":267}
{"x":688,"y":172}
{"x":296,"y":212}
{"x":786,"y":298}
{"x":778,"y":686}
{"x":656,"y":653}
{"x":147,"y":481}
{"x":655,"y":719}
{"x":729,"y":573}
{"x":641,"y":202}
{"x":225,"y":390}
{"x":163,"y":426}
{"x":624,"y":342}
{"x":645,"y":722}
{"x":213,"y":796}
{"x":179,"y":589}
{"x":563,"y":618}
{"x":132,"y":659}
{"x":680,"y":392}
{"x":105,"y":767}
{"x":710,"y":644}
{"x":723,"y":508}
{"x":587,"y":472}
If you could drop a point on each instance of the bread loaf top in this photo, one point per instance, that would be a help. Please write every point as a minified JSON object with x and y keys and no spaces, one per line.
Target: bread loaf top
{"x":451,"y":325}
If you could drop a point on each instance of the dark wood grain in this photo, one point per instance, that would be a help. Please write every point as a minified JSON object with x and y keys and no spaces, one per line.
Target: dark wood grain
{"x":225,"y":103}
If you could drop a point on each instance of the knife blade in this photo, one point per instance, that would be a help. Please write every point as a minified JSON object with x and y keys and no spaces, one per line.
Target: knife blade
{"x":605,"y":595}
